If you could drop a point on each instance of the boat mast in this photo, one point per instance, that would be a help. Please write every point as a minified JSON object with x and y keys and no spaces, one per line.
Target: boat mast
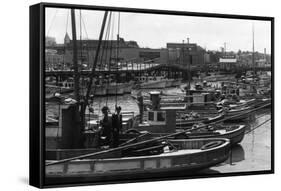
{"x":75,"y":62}
{"x":117,"y":55}
{"x":95,"y":60}
{"x":253,"y":54}
{"x":189,"y":71}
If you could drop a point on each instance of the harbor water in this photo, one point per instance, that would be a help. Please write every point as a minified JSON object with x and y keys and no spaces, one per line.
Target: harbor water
{"x":254,"y":152}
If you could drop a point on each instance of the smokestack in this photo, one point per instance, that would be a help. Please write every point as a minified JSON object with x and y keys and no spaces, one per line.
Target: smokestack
{"x":187,"y":40}
{"x":265,"y":54}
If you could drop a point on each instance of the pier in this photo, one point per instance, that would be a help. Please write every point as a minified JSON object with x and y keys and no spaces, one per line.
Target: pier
{"x":171,"y":71}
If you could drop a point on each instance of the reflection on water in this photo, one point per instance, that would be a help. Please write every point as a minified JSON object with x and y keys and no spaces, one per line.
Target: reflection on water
{"x":238,"y":154}
{"x":254,"y":152}
{"x":126,"y":102}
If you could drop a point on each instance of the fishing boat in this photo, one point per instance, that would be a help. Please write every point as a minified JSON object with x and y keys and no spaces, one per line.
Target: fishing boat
{"x":173,"y":83}
{"x":235,"y":133}
{"x":154,"y":82}
{"x":176,"y":82}
{"x":128,"y":86}
{"x":254,"y":103}
{"x":72,"y":151}
{"x":237,"y":114}
{"x":187,"y":120}
{"x":188,"y":155}
{"x":99,"y":90}
{"x":214,"y":77}
{"x":161,"y":122}
{"x":115,"y":89}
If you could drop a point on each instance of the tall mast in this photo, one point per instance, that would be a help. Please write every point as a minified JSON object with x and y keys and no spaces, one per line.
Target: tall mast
{"x":96,"y":58}
{"x":189,"y":63}
{"x":117,"y":55}
{"x":75,"y":62}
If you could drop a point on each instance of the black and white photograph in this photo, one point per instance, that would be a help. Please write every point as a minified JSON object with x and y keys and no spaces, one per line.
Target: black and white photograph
{"x":139,"y":95}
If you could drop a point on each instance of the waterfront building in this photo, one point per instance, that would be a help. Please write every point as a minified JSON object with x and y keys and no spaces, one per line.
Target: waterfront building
{"x":53,"y":60}
{"x":185,"y":53}
{"x":128,"y":52}
{"x":227,"y":62}
{"x":50,"y":41}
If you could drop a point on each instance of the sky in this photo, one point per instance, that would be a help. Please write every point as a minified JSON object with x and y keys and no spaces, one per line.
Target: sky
{"x":155,"y":30}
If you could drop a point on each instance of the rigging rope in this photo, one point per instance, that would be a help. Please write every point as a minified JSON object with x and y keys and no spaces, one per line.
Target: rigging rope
{"x":110,"y":54}
{"x":106,"y":53}
{"x":52,"y":22}
{"x":64,"y":45}
{"x":81,"y":49}
{"x":117,"y":57}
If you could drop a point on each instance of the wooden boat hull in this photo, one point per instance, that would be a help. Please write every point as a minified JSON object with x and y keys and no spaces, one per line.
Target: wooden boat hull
{"x":237,"y":114}
{"x":183,"y":160}
{"x":169,"y":83}
{"x":153,"y":85}
{"x":104,"y":90}
{"x":235,"y":136}
{"x":99,"y":91}
{"x":189,"y":123}
{"x":118,"y":89}
{"x":176,"y":83}
{"x":128,"y":88}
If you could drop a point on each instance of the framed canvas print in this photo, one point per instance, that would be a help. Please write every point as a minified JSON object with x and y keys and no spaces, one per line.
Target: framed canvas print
{"x":126,"y":95}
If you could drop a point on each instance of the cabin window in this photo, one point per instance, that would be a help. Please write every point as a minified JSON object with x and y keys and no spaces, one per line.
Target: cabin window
{"x":151,"y":116}
{"x":161,"y":116}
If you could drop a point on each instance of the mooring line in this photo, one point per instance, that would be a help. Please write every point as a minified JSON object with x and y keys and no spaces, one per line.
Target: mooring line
{"x":259,"y":125}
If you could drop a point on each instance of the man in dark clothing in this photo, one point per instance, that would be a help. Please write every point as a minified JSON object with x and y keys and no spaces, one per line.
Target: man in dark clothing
{"x":117,"y":126}
{"x":141,"y":106}
{"x":106,"y":124}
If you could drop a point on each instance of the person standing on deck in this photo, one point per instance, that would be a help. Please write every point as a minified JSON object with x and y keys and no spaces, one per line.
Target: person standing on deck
{"x":117,"y":126}
{"x":106,"y":124}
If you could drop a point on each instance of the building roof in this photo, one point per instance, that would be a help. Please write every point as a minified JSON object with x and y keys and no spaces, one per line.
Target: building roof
{"x":114,"y":43}
{"x":181,"y":45}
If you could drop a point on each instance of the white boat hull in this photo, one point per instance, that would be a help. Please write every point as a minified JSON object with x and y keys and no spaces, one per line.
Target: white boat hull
{"x":191,"y":158}
{"x":153,"y":85}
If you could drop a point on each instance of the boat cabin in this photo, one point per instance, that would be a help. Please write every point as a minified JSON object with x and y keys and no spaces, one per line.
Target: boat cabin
{"x":158,"y":120}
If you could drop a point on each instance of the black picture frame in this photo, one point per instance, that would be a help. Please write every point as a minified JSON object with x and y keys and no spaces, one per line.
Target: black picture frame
{"x":37,"y":96}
